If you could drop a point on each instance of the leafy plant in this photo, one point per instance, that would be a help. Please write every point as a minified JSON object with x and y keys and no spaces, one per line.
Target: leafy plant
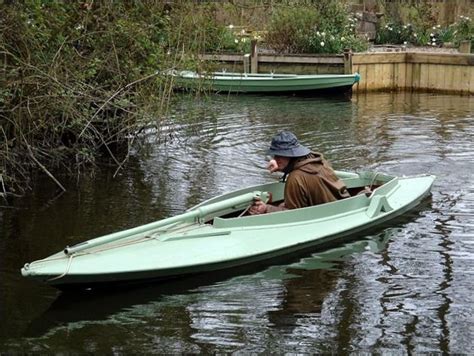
{"x":323,"y":27}
{"x":463,"y":29}
{"x":422,"y":31}
{"x":80,"y":82}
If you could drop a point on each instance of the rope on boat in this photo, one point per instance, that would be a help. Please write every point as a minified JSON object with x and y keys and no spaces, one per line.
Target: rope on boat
{"x":65,"y":272}
{"x":132,"y":242}
{"x":245,"y":211}
{"x":373,"y":180}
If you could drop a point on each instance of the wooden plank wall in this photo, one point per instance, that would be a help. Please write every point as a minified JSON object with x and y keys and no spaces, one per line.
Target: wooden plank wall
{"x":383,"y":71}
{"x":419,"y":71}
{"x":267,"y":63}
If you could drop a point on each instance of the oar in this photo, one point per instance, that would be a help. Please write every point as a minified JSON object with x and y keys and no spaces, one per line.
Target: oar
{"x":196,"y":214}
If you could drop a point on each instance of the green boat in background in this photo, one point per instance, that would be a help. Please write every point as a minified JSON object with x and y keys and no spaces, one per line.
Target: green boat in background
{"x":217,"y":234}
{"x":263,"y":83}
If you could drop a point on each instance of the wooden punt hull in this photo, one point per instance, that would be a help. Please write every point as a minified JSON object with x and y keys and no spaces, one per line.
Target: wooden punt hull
{"x":264,"y":83}
{"x":211,"y":236}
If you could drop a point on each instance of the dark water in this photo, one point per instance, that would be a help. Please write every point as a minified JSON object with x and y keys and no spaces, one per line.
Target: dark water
{"x":405,"y":287}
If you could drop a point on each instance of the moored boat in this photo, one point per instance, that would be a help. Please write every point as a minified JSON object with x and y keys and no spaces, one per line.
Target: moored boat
{"x":263,"y":83}
{"x":217,"y":234}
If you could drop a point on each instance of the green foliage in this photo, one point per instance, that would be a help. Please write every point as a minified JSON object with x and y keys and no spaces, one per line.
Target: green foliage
{"x":79,"y":80}
{"x":320,"y":27}
{"x":463,"y":29}
{"x":289,"y":28}
{"x":397,"y":33}
{"x":422,"y":32}
{"x":233,"y":41}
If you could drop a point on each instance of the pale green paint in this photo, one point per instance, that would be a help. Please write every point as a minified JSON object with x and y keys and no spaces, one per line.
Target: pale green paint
{"x":263,"y":83}
{"x":203,"y":240}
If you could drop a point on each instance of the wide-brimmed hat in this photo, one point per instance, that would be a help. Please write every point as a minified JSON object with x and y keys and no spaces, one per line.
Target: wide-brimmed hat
{"x":286,"y":144}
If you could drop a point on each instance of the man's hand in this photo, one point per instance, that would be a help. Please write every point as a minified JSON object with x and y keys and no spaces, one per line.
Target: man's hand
{"x":272,"y":165}
{"x":258,"y":207}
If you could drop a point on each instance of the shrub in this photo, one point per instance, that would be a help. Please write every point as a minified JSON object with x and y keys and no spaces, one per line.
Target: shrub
{"x":422,"y":34}
{"x":79,"y":80}
{"x":290,"y":27}
{"x":323,"y":27}
{"x":463,"y":29}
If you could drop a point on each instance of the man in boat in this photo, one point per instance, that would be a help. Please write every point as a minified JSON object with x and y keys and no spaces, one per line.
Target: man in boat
{"x":309,"y":178}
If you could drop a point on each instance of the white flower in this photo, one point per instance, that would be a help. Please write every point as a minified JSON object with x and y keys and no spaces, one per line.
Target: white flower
{"x":236,"y":40}
{"x":405,"y":42}
{"x":323,"y":33}
{"x":322,"y":44}
{"x":431,"y":35}
{"x":231,"y":26}
{"x":342,"y":39}
{"x":317,"y":33}
{"x":415,"y":35}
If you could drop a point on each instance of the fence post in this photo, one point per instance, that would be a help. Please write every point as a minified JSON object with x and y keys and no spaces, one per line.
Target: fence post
{"x":347,"y":61}
{"x":465,"y":46}
{"x":246,"y":63}
{"x":254,"y":57}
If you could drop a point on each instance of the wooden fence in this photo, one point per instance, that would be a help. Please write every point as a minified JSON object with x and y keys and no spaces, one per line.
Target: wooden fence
{"x":380,"y":71}
{"x":431,"y":72}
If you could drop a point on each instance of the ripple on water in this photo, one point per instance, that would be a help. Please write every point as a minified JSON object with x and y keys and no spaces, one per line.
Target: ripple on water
{"x":406,"y":289}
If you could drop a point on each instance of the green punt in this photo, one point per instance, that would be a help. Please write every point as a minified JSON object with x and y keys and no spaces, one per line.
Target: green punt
{"x":215,"y":235}
{"x":263,"y":83}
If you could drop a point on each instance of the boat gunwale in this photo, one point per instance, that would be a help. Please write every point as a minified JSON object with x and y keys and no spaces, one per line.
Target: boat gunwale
{"x":296,"y":79}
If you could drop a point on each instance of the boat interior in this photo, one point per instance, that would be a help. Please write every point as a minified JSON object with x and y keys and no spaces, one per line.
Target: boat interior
{"x":357,"y":184}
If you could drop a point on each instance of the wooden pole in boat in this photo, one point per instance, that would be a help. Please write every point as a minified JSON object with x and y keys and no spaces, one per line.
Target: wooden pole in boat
{"x":253,"y":57}
{"x":192,"y":215}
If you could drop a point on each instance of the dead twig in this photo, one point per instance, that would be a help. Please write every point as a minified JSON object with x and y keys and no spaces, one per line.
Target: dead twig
{"x":113,"y":96}
{"x":42,"y":166}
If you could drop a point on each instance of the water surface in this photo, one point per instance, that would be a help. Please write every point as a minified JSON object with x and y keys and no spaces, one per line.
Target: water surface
{"x":405,"y":287}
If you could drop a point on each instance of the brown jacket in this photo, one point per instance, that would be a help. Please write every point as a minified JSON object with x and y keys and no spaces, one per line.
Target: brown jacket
{"x":312,"y":181}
